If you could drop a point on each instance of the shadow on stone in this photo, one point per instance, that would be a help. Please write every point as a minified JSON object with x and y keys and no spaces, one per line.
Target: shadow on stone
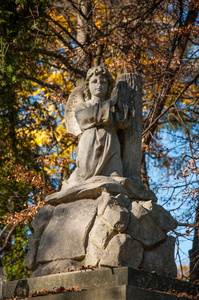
{"x":22,"y":289}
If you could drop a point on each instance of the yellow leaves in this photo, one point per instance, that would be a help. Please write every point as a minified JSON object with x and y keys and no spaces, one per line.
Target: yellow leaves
{"x":145,"y":59}
{"x":114,"y":63}
{"x":187,"y":98}
{"x":192,"y":93}
{"x":51,"y":171}
{"x":98,"y":24}
{"x":23,"y":93}
{"x":109,"y":60}
{"x":61,"y":21}
{"x":145,"y":109}
{"x":67,"y":87}
{"x":100,"y":14}
{"x":148,"y":94}
{"x":60,"y":158}
{"x":35,"y":93}
{"x":60,"y":131}
{"x":54,"y":77}
{"x":56,"y":163}
{"x":42,"y":137}
{"x":51,"y":109}
{"x":100,"y":6}
{"x":54,"y":14}
{"x":187,"y":101}
{"x":48,"y":138}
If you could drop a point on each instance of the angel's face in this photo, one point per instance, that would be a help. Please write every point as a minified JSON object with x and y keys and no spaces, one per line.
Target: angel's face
{"x":98,"y":86}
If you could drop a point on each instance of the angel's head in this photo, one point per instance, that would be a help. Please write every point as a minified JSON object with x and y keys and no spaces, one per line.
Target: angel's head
{"x":99,"y":83}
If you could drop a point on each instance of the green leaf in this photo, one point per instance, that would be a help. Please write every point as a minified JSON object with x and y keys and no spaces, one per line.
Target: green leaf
{"x":9,"y":68}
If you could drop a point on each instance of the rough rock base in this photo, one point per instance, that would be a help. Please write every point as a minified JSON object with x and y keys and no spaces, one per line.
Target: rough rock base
{"x":111,"y":230}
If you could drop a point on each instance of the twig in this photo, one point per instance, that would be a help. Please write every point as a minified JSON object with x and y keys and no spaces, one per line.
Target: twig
{"x":172,"y":104}
{"x":187,"y":225}
{"x":1,"y":233}
{"x":8,"y":237}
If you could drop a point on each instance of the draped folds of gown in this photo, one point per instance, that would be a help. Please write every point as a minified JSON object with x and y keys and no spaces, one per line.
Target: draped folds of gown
{"x":98,"y":151}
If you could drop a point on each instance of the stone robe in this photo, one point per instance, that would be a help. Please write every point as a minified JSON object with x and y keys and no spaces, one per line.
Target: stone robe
{"x":99,"y":148}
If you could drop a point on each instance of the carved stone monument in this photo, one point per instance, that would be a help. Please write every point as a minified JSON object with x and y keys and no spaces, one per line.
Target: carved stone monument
{"x":104,"y":215}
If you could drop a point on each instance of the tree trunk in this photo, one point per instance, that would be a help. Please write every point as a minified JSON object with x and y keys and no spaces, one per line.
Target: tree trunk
{"x":84,"y":28}
{"x":194,"y":252}
{"x":144,"y":176}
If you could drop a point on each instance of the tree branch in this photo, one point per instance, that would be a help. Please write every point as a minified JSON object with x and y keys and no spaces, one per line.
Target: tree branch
{"x":52,"y":86}
{"x":8,"y":238}
{"x":172,"y":104}
{"x":187,"y":225}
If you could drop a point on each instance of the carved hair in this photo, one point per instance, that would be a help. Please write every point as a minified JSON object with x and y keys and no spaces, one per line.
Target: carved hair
{"x":98,"y":71}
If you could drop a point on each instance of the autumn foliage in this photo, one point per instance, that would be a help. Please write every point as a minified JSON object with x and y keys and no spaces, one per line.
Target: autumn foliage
{"x":46,"y":48}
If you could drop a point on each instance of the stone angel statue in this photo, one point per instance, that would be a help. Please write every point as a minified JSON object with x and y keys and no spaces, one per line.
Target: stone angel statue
{"x":108,"y":121}
{"x":96,"y":112}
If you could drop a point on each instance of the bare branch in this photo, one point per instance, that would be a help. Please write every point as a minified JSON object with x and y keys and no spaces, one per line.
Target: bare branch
{"x":172,"y":104}
{"x":8,"y":237}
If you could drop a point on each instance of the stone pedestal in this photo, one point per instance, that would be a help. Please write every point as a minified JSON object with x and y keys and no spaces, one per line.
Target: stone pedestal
{"x":110,"y":230}
{"x":3,"y":277}
{"x":103,"y":284}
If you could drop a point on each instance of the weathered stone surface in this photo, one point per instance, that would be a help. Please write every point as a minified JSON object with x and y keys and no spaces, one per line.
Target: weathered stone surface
{"x":42,"y":219}
{"x":3,"y":275}
{"x":3,"y":278}
{"x":101,"y":233}
{"x":161,"y":217}
{"x":58,"y":266}
{"x":102,"y":278}
{"x":67,"y":232}
{"x":112,"y":293}
{"x":93,"y":187}
{"x":142,"y":227}
{"x":130,"y":86}
{"x":39,"y":224}
{"x":161,"y":258}
{"x":117,"y":217}
{"x":106,"y":199}
{"x":137,"y":190}
{"x":121,"y":200}
{"x":103,"y":201}
{"x":32,"y":253}
{"x":122,"y":250}
{"x":93,"y":255}
{"x":86,"y":230}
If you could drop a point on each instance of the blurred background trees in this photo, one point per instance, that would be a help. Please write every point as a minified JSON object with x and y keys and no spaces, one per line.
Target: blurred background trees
{"x":46,"y":49}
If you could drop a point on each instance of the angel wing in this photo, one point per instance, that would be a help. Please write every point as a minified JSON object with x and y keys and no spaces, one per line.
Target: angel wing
{"x":74,"y":99}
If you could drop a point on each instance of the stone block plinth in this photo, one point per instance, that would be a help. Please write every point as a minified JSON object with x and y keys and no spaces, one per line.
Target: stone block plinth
{"x":104,"y":283}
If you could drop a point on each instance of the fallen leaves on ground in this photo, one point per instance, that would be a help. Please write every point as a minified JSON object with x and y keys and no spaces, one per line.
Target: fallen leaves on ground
{"x":44,"y":292}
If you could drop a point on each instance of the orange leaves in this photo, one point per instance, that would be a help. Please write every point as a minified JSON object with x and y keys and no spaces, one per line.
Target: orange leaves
{"x":55,"y":291}
{"x":21,"y":174}
{"x":25,"y":215}
{"x":190,"y":168}
{"x":15,"y":219}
